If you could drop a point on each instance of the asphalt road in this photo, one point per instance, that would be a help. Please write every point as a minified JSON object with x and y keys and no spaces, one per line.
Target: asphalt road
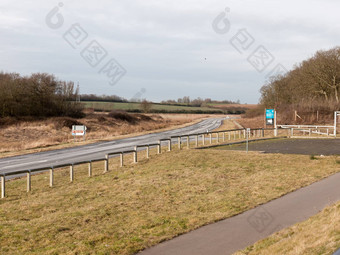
{"x":97,"y":150}
{"x":293,"y":146}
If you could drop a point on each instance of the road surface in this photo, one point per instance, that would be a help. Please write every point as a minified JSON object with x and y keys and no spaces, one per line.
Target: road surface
{"x":97,"y":150}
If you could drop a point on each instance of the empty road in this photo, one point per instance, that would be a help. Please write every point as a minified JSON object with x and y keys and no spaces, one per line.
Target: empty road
{"x":97,"y":150}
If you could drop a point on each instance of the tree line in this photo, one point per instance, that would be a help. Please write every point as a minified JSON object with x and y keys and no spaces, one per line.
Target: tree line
{"x":314,"y":82}
{"x":197,"y":102}
{"x":37,"y":95}
{"x":102,"y":98}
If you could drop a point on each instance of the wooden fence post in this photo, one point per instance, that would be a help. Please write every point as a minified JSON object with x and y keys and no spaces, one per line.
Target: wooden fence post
{"x":135,"y":155}
{"x":106,"y":163}
{"x":159,"y":147}
{"x":51,"y":177}
{"x":28,"y":181}
{"x":121,"y":156}
{"x":3,"y":186}
{"x":71,"y":173}
{"x":90,"y":168}
{"x":147,"y":151}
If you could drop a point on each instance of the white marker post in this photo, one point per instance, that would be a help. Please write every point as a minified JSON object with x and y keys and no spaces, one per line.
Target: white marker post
{"x":247,"y":140}
{"x":275,"y":125}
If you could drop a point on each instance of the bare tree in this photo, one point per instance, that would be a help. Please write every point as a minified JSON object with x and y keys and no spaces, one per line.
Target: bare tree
{"x":145,"y":106}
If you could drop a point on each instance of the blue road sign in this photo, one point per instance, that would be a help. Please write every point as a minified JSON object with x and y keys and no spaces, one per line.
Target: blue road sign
{"x":269,"y":113}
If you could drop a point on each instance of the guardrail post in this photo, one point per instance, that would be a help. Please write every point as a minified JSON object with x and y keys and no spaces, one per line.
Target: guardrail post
{"x":188,"y":142}
{"x":244,"y":133}
{"x":327,"y":132}
{"x":309,"y":131}
{"x":169,"y":144}
{"x":234,"y":135}
{"x":292,"y":132}
{"x":229,"y":135}
{"x":159,"y":148}
{"x":203,"y":139}
{"x":223,"y":136}
{"x":147,"y":151}
{"x":179,"y":142}
{"x":3,"y":186}
{"x":121,"y":155}
{"x":196,"y":140}
{"x":51,"y":177}
{"x":71,"y":173}
{"x":90,"y":168}
{"x":218,"y":137}
{"x":28,"y":181}
{"x":239,"y":134}
{"x":106,"y":163}
{"x":135,"y":155}
{"x":210,"y":138}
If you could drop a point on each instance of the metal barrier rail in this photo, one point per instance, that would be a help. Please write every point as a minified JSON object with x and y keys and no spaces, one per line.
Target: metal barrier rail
{"x":310,"y":131}
{"x":259,"y":132}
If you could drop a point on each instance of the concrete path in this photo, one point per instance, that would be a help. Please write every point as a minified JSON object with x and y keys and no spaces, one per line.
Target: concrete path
{"x":233,"y":234}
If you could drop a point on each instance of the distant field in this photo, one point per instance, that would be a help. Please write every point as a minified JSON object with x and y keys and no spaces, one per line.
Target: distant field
{"x":158,"y":108}
{"x":247,"y":106}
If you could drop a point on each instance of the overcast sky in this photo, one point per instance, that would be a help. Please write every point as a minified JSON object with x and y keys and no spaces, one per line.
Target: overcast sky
{"x":168,"y":48}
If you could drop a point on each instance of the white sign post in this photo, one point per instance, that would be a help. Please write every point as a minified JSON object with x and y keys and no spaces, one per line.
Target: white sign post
{"x":247,"y":141}
{"x":275,"y":124}
{"x":336,"y":114}
{"x":79,"y":130}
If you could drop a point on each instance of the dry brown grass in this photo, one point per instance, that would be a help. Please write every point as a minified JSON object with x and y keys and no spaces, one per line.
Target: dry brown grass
{"x":226,"y":125}
{"x":318,"y":235}
{"x":140,"y":205}
{"x":55,"y":133}
{"x":255,"y":122}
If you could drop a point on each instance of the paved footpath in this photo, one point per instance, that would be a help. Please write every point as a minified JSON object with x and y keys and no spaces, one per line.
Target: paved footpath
{"x":238,"y":232}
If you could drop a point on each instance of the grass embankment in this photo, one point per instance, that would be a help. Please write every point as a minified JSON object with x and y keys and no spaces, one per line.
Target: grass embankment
{"x":140,"y":205}
{"x":155,"y":108}
{"x":226,"y":125}
{"x":28,"y":136}
{"x":320,"y":234}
